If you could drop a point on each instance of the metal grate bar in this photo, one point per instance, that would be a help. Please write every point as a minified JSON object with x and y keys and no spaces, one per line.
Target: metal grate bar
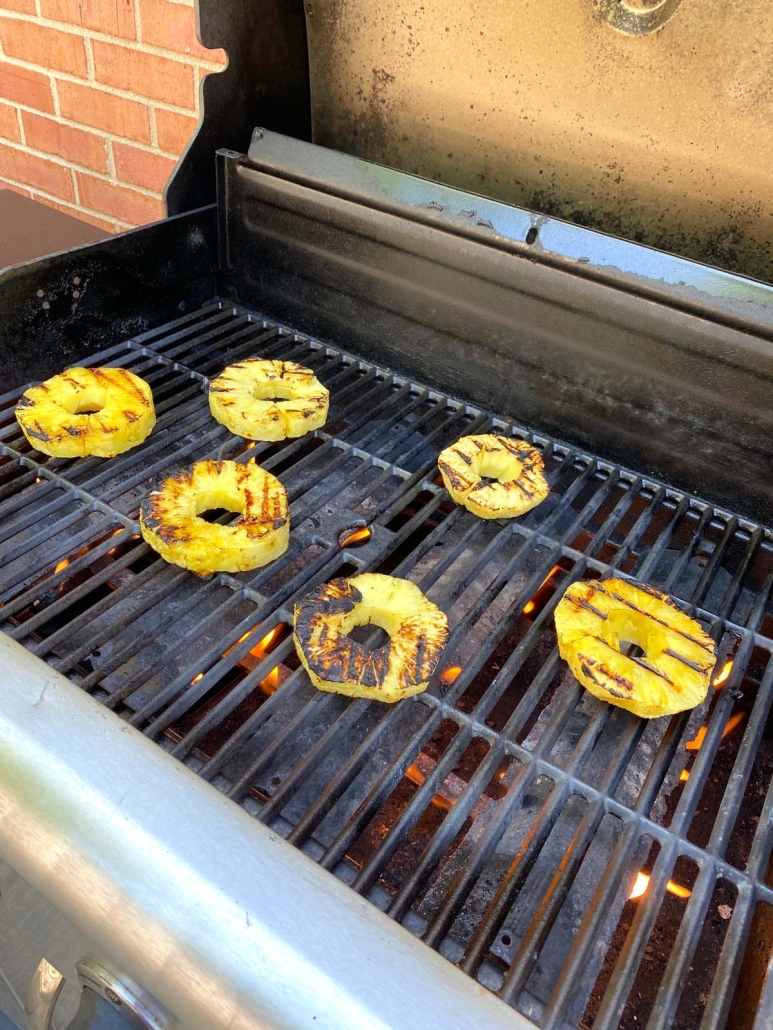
{"x":731,"y":597}
{"x":302,"y":761}
{"x":718,"y":1006}
{"x":667,"y":1001}
{"x":555,"y":895}
{"x":743,"y":764}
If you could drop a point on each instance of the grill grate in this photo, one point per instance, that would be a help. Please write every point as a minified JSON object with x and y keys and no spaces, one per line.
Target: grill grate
{"x":504,"y":814}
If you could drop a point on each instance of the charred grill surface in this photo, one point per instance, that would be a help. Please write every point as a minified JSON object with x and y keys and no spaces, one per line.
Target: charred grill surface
{"x":502,"y":815}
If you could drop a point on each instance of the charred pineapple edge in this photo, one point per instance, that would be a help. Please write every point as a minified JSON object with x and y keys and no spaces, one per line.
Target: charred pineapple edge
{"x":334,"y":662}
{"x":124,"y":419}
{"x":624,"y":680}
{"x":462,"y":467}
{"x":273,"y":418}
{"x":170,"y":524}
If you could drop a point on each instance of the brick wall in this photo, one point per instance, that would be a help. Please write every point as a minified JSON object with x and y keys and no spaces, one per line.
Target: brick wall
{"x":98,"y":98}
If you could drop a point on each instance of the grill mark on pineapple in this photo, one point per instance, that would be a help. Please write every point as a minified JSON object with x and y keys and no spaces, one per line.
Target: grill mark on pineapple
{"x":600,"y":589}
{"x":580,"y":603}
{"x":650,"y":668}
{"x":38,"y":432}
{"x":686,"y":661}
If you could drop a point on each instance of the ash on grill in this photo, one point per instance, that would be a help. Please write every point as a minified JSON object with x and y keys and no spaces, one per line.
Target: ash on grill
{"x":505,"y":816}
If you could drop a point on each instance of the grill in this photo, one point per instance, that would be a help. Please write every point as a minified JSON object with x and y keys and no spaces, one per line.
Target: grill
{"x":590,"y":868}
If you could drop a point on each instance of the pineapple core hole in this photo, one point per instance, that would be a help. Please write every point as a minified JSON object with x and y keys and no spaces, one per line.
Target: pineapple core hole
{"x":213,"y":514}
{"x":633,"y":634}
{"x":369,"y":637}
{"x":376,"y":621}
{"x":499,"y":467}
{"x":213,"y":504}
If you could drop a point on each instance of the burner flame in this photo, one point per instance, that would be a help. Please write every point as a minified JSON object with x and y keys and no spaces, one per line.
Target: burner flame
{"x":529,"y":608}
{"x":697,"y":742}
{"x":724,"y":674}
{"x":415,"y":774}
{"x":261,"y":648}
{"x":447,"y":676}
{"x":62,"y":565}
{"x":197,"y":679}
{"x":359,"y":536}
{"x":641,"y":886}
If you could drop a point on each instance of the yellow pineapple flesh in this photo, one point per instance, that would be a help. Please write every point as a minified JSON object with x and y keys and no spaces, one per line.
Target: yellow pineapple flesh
{"x":170,"y":523}
{"x":87,"y":411}
{"x":262,"y":399}
{"x":515,"y":465}
{"x":595,"y":621}
{"x":417,"y":628}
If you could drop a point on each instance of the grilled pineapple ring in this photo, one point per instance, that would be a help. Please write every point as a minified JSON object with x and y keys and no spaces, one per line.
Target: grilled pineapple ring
{"x":268,"y":400}
{"x":516,"y":465}
{"x":673,"y":674}
{"x":403,"y":666}
{"x":99,"y":411}
{"x":170,"y":523}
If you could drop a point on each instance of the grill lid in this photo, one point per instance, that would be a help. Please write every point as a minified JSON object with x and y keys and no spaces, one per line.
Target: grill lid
{"x":660,"y":137}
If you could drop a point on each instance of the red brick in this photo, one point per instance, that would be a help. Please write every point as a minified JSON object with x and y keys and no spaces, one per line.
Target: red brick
{"x":141,"y":168}
{"x":82,"y":148}
{"x":50,"y":48}
{"x":25,"y":87}
{"x":36,"y":172}
{"x":25,"y":6}
{"x":9,"y":123}
{"x":4,"y":185}
{"x":146,"y":74}
{"x":102,"y":110}
{"x":113,"y":17}
{"x":173,"y":27}
{"x":118,"y":201}
{"x":174,"y":130}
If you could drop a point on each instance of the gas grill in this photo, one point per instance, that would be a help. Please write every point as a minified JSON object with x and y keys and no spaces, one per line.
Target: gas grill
{"x":201,"y":836}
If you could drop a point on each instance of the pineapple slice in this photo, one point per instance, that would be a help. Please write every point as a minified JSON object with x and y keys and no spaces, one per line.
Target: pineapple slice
{"x":593,"y":618}
{"x":170,"y":523}
{"x":268,"y":400}
{"x":417,"y":628}
{"x":99,"y":411}
{"x":517,"y":467}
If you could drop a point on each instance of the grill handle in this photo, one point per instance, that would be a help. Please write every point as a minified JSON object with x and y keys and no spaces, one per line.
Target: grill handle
{"x":108,"y":1002}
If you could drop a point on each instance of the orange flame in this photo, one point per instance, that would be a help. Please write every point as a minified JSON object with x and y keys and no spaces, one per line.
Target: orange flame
{"x":529,"y":608}
{"x":642,"y":882}
{"x":685,"y":776}
{"x":239,"y":641}
{"x":732,"y":722}
{"x":415,"y":775}
{"x":261,"y":648}
{"x":196,"y":679}
{"x":696,"y":743}
{"x":358,"y":536}
{"x":62,"y":565}
{"x":115,"y":532}
{"x":448,"y":675}
{"x":271,"y":683}
{"x":724,"y":674}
